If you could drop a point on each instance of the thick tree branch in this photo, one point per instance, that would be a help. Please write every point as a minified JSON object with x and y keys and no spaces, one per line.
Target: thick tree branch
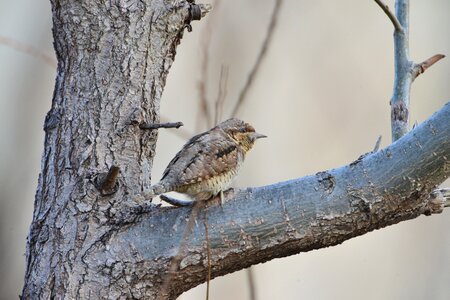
{"x":403,"y":78}
{"x":259,"y":224}
{"x":113,"y":61}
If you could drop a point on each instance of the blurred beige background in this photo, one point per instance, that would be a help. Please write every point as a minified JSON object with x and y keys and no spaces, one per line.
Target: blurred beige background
{"x":322,"y":97}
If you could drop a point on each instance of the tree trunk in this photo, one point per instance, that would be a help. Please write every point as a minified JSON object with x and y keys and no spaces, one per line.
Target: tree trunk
{"x":89,"y":240}
{"x":113,"y":60}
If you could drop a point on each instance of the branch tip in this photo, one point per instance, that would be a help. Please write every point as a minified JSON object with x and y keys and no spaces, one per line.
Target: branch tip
{"x":391,"y":16}
{"x":260,"y":58}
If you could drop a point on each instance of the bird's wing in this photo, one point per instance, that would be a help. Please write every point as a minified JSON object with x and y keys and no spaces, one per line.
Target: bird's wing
{"x":204,"y":156}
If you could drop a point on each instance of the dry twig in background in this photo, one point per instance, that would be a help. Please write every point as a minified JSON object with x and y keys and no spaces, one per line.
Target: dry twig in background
{"x":222,"y":94}
{"x":203,"y":84}
{"x":260,"y":58}
{"x":29,"y":49}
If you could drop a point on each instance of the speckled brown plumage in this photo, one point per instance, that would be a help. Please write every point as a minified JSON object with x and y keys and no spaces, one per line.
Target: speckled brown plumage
{"x":208,"y":162}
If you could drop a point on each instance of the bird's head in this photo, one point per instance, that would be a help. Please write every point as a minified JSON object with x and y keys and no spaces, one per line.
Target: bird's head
{"x":242,"y":133}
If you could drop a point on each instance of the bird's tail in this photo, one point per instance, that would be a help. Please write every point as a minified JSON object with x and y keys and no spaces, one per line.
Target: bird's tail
{"x":155,"y":190}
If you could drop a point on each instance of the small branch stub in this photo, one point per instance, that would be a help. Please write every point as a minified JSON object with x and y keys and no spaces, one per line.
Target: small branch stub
{"x":198,"y":11}
{"x":160,"y":125}
{"x":423,"y":66}
{"x":106,"y":183}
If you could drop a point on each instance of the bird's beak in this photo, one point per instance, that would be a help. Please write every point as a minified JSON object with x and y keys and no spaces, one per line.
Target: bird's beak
{"x":255,"y":136}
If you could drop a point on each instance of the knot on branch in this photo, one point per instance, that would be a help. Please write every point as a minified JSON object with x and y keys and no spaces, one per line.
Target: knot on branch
{"x":326,"y":181}
{"x":399,"y":112}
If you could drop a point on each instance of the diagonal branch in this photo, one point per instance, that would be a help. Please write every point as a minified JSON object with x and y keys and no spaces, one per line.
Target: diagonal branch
{"x":390,"y":15}
{"x":317,"y":211}
{"x":222,"y":94}
{"x":260,"y":58}
{"x":203,"y":83}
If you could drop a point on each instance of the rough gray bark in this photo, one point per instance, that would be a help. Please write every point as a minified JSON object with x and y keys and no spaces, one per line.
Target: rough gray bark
{"x":113,"y":59}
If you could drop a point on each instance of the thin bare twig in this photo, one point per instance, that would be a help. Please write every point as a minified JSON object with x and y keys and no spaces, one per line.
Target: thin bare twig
{"x":390,"y":15}
{"x":28,"y":49}
{"x":160,"y":125}
{"x":423,"y":66}
{"x":377,"y":144}
{"x":203,"y":84}
{"x":260,"y":58}
{"x":223,"y":81}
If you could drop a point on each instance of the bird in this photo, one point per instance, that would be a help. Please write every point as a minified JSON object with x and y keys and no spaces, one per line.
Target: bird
{"x":207,"y":163}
